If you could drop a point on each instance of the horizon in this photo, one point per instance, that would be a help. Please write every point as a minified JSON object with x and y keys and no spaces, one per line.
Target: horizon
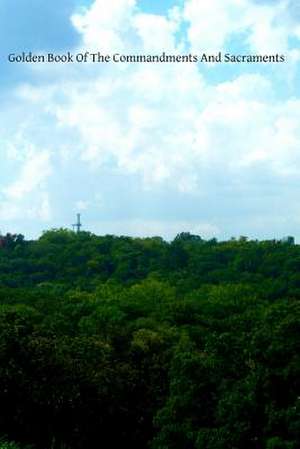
{"x":71,"y":229}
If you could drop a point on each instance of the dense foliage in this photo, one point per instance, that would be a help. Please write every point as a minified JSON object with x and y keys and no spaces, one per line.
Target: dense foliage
{"x":120,"y":342}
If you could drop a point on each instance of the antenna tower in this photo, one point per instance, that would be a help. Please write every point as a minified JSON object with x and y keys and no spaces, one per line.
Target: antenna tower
{"x":77,"y":226}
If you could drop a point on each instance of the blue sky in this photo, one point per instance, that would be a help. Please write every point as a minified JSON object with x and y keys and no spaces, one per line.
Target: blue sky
{"x":151,"y":149}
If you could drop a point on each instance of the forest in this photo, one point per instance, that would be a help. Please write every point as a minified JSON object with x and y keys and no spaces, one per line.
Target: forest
{"x":138,"y":342}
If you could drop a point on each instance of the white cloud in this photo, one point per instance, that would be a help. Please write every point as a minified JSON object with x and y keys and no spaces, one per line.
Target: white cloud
{"x":26,"y":197}
{"x":210,"y":23}
{"x":104,"y":25}
{"x":157,"y":32}
{"x":35,"y":208}
{"x":166,"y":122}
{"x":34,"y":171}
{"x":171,"y":137}
{"x":265,"y":27}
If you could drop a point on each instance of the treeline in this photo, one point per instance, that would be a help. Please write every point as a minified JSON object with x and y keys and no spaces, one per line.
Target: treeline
{"x":114,"y":341}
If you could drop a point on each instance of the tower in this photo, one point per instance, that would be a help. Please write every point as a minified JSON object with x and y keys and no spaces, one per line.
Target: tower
{"x":77,"y":225}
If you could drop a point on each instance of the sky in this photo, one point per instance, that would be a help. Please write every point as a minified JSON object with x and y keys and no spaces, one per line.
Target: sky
{"x":151,"y":149}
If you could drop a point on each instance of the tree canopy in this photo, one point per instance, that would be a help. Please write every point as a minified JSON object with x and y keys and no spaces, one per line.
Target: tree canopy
{"x":112,"y":341}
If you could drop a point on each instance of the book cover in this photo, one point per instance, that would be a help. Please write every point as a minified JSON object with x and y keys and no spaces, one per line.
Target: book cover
{"x":149,"y":220}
